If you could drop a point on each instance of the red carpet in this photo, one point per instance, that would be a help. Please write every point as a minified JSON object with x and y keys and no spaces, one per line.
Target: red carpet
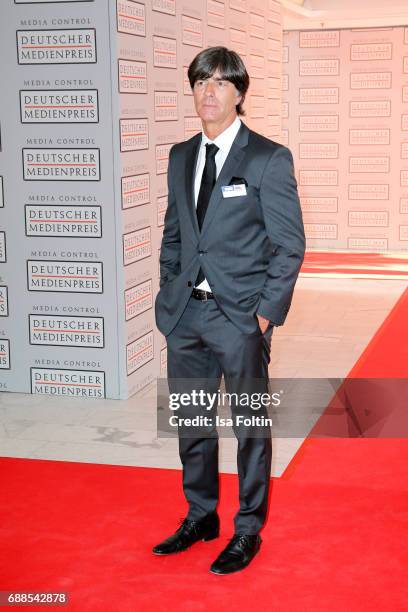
{"x":336,"y":538}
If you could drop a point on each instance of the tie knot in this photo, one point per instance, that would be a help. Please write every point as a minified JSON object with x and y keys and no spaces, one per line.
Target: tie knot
{"x":211,"y":150}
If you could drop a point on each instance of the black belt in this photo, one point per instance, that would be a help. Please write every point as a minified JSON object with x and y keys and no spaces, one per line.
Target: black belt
{"x":199,"y":294}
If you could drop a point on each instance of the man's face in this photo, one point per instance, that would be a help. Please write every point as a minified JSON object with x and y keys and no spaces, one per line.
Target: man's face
{"x":215,"y":100}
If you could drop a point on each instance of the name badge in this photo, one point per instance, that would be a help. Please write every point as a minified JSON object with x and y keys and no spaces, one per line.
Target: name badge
{"x":232,"y":191}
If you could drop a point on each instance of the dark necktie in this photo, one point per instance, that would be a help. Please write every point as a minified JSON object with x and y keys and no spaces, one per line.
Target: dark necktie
{"x":207,"y":185}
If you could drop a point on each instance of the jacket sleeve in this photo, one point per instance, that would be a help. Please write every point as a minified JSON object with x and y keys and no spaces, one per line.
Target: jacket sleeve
{"x":171,"y":244}
{"x":284,"y":227}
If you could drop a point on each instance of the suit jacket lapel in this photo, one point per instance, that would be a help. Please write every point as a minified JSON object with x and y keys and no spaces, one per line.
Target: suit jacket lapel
{"x":229,"y":169}
{"x":191,"y":160}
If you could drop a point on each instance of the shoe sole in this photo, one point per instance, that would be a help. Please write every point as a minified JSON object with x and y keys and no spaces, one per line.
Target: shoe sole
{"x":206,"y":539}
{"x":163,"y":554}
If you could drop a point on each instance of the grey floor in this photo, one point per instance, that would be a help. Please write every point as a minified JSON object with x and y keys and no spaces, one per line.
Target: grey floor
{"x":330,"y":323}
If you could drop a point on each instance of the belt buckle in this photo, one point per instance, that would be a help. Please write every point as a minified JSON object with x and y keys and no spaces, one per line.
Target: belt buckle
{"x":204,"y":294}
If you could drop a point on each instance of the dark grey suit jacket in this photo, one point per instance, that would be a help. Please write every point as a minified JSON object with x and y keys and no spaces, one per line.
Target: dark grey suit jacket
{"x":250,"y":248}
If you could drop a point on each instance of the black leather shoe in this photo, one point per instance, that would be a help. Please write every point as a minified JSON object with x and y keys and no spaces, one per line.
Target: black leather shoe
{"x":238,"y":554}
{"x":190,"y":532}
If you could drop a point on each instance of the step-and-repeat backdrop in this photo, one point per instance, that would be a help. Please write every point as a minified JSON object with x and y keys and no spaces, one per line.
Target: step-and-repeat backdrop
{"x":345,"y":117}
{"x":94,"y":94}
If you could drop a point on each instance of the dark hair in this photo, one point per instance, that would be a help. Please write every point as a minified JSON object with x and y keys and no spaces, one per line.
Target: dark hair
{"x":229,"y":64}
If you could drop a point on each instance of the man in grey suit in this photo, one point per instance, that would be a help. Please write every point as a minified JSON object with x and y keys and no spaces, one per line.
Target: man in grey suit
{"x":233,"y":243}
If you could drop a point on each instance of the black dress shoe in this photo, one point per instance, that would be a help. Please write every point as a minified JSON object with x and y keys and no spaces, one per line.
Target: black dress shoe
{"x":190,"y":532}
{"x":238,"y":554}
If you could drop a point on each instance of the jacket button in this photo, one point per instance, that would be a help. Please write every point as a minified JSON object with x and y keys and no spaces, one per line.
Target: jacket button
{"x":189,"y":284}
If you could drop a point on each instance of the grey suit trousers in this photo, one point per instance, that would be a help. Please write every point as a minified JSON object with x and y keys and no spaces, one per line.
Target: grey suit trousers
{"x":204,"y":345}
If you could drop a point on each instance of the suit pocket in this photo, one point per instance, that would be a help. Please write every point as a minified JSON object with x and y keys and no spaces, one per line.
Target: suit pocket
{"x":252,"y":193}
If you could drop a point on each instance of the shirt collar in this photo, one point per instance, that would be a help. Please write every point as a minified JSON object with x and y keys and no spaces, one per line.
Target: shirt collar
{"x":226,"y":138}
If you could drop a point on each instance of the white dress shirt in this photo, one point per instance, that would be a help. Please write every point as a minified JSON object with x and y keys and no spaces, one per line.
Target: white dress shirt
{"x":224,"y":142}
